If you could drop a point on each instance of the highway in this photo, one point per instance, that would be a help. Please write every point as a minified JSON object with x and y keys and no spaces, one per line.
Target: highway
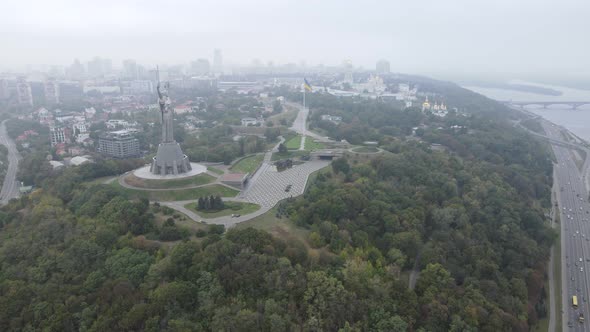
{"x":574,"y":210}
{"x":10,"y":185}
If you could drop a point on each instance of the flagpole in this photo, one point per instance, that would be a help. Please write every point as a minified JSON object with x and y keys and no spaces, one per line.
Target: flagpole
{"x":304,"y":96}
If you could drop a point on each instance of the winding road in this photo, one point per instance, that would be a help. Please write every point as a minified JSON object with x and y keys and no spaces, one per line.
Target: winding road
{"x":10,"y":185}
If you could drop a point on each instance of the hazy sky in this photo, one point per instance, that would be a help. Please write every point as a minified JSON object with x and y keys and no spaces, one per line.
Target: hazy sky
{"x":451,"y":38}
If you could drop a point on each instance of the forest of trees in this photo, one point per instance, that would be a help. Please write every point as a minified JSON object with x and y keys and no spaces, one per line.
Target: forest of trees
{"x":77,"y":256}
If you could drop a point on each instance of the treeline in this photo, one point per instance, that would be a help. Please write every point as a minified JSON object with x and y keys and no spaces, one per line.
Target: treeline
{"x":482,"y":243}
{"x":210,"y":203}
{"x":75,"y":256}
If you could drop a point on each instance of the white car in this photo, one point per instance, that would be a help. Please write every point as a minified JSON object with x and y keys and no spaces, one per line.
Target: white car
{"x":580,"y":259}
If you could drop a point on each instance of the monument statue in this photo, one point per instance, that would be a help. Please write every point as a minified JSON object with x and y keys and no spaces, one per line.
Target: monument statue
{"x":169,"y":159}
{"x":166,"y":112}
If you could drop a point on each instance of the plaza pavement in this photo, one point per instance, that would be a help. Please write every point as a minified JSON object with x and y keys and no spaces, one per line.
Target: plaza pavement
{"x":266,"y":191}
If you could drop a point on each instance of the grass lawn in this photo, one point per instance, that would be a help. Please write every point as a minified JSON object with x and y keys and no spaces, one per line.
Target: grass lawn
{"x":289,"y":154}
{"x":247,"y":164}
{"x":310,"y":144}
{"x":294,"y":143}
{"x":178,"y":194}
{"x":214,"y":170}
{"x":172,"y":183}
{"x":282,"y":228}
{"x":230,"y":208}
{"x":366,"y":149}
{"x":102,"y":180}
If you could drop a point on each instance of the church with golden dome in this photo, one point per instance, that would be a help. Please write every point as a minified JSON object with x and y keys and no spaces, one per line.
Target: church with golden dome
{"x":427,"y":106}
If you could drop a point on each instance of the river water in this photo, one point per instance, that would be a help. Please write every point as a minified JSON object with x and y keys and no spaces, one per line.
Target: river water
{"x":577,"y":121}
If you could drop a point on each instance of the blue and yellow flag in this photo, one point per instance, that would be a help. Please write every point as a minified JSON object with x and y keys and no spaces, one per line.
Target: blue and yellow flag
{"x":306,"y":85}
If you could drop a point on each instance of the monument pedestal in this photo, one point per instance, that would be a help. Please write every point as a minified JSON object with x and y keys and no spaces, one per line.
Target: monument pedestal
{"x":170,"y":160}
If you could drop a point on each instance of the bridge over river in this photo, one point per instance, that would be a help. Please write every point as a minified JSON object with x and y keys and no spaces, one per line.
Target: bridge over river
{"x":572,"y":104}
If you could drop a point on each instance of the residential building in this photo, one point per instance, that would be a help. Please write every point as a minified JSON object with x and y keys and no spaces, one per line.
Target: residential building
{"x":200,"y":67}
{"x":115,"y":123}
{"x":51,"y":90}
{"x":70,"y":91}
{"x":76,"y":71}
{"x":138,"y":87}
{"x":249,"y":122}
{"x":240,"y":87}
{"x":382,"y":67}
{"x":59,"y":135}
{"x":119,"y":144}
{"x":89,"y":113}
{"x":348,"y":72}
{"x":45,"y":117}
{"x":79,"y":128}
{"x":130,"y":69}
{"x":24,"y":93}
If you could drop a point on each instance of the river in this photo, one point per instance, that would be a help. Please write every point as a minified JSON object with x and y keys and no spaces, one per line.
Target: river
{"x":577,"y":121}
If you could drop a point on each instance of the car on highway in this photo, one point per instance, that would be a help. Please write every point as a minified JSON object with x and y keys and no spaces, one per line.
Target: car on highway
{"x":580,"y":259}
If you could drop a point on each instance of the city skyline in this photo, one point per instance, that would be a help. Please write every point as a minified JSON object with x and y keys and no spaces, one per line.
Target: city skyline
{"x":446,"y":40}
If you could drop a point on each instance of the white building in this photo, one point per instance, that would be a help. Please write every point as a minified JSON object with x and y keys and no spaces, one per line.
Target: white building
{"x":102,"y":89}
{"x":326,"y":117}
{"x":140,"y":87}
{"x":373,"y":85}
{"x":59,"y":135}
{"x":45,"y":117}
{"x":89,"y":113}
{"x":81,"y":138}
{"x":79,"y":128}
{"x":80,"y":160}
{"x":113,"y":123}
{"x":249,"y":122}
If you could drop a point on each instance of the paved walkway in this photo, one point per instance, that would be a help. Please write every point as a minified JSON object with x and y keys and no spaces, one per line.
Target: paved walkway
{"x":300,"y":124}
{"x":267,"y":186}
{"x":267,"y":191}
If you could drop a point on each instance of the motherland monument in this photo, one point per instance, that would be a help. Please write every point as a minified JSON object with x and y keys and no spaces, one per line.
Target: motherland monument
{"x":169,"y":159}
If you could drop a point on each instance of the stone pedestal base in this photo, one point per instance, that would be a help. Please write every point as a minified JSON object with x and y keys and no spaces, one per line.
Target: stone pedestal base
{"x":170,"y":160}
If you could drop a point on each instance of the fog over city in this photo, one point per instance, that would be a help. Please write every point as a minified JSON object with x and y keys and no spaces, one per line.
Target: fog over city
{"x":461,"y":39}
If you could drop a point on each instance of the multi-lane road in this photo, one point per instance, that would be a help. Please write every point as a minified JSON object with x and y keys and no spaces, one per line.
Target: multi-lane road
{"x":10,"y":185}
{"x":574,"y":211}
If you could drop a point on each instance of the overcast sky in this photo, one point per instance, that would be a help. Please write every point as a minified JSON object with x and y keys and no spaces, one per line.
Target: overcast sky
{"x":452,"y":38}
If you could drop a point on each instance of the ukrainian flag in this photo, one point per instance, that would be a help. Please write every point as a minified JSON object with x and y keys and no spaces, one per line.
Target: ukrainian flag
{"x":306,"y":85}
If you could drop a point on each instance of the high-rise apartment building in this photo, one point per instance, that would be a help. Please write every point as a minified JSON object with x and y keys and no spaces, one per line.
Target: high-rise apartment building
{"x":51,"y":90}
{"x":382,"y":67}
{"x":119,"y":144}
{"x":24,"y":93}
